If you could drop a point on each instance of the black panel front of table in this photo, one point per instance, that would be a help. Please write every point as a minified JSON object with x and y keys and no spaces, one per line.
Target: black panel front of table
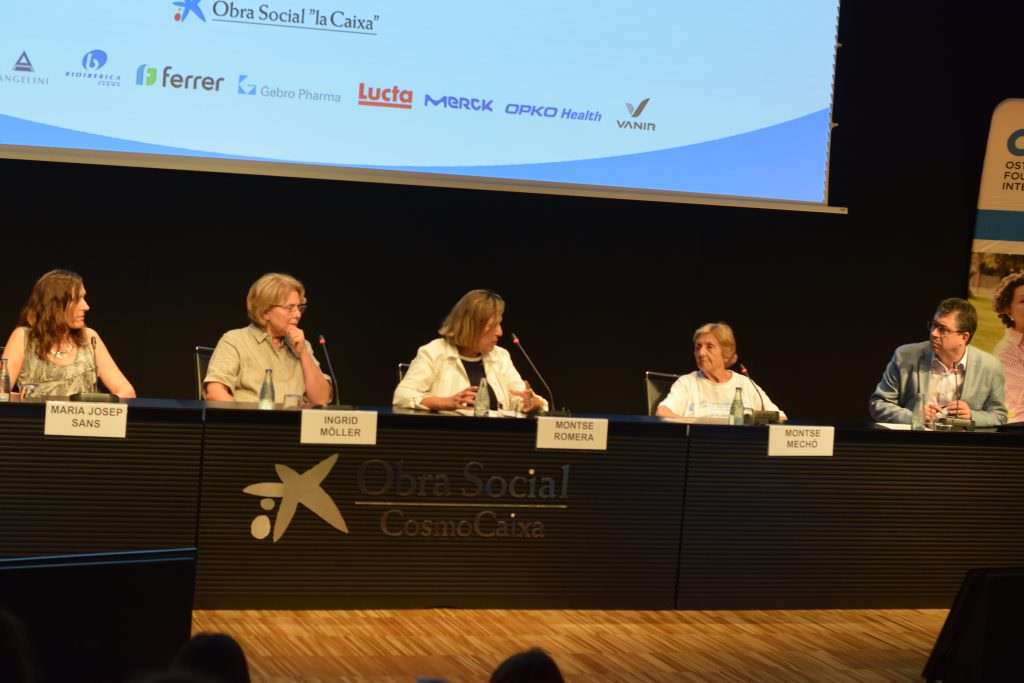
{"x":894,"y":519}
{"x":67,"y":495}
{"x":442,"y":511}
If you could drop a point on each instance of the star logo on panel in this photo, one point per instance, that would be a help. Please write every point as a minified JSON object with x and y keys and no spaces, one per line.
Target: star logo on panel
{"x":295,"y":488}
{"x":188,"y":7}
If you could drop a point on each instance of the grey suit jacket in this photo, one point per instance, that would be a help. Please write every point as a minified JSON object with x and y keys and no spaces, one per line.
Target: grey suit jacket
{"x":894,"y":398}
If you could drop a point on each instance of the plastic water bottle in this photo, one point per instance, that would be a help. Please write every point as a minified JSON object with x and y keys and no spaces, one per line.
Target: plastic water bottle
{"x":917,"y":417}
{"x":5,"y":381}
{"x":736,"y":409}
{"x":483,"y":399}
{"x":267,"y":391}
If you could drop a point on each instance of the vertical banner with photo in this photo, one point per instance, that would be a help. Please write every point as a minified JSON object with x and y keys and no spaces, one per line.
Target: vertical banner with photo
{"x":996,"y":280}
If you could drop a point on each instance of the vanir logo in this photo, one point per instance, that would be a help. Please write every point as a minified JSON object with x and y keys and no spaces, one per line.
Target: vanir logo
{"x":634,"y":113}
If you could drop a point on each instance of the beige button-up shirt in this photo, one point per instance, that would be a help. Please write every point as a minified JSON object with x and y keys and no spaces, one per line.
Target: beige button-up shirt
{"x":243,"y":356}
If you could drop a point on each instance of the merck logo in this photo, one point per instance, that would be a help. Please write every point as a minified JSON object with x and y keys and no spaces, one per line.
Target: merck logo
{"x":393,"y":97}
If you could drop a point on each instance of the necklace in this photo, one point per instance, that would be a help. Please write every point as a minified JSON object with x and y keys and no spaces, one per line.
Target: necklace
{"x":61,"y":353}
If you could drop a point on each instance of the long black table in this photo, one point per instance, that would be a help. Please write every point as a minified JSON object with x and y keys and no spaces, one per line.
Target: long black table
{"x":454,"y":511}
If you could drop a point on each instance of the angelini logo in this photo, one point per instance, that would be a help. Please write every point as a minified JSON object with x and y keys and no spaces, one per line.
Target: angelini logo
{"x":393,"y":97}
{"x":634,"y":113}
{"x":23,"y":63}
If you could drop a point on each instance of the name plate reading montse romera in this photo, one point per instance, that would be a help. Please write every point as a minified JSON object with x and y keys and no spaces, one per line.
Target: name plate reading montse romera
{"x":67,"y":418}
{"x":354,"y":427}
{"x":583,"y":434}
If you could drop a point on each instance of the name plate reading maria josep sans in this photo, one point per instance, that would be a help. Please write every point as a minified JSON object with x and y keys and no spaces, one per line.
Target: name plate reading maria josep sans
{"x":800,"y":440}
{"x":353,"y":427}
{"x":584,"y":434}
{"x":105,"y":420}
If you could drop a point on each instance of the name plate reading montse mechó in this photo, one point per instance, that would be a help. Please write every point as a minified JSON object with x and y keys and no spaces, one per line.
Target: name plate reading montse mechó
{"x":800,"y":440}
{"x":106,"y":420}
{"x":354,"y":427}
{"x":584,"y":434}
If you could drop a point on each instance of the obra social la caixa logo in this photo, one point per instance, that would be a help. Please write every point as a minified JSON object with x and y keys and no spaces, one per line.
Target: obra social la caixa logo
{"x":294,"y":489}
{"x":188,"y":8}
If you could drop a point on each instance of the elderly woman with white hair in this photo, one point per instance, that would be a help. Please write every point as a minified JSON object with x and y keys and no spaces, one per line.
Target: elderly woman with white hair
{"x":710,"y":390}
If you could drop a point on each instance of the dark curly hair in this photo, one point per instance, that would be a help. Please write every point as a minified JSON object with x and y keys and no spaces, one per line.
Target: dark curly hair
{"x":46,"y":311}
{"x":1003,"y":296}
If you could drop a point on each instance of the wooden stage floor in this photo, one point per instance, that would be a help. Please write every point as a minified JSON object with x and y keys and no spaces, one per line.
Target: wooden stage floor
{"x":385,"y":646}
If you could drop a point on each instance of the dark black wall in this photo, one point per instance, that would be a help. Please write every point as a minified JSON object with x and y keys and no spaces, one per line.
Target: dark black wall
{"x":599,"y":290}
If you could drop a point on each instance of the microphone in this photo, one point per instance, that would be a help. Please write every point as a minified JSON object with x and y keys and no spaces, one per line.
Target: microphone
{"x":564,"y":412}
{"x":759,"y":417}
{"x":95,"y":366}
{"x":95,"y":396}
{"x":330,"y":369}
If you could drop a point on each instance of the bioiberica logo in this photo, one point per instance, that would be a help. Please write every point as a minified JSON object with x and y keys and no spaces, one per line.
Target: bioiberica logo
{"x":293,"y":489}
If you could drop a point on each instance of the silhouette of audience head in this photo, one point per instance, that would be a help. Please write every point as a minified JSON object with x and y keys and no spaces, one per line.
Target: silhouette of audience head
{"x":215,"y":655}
{"x":15,"y":657}
{"x":532,"y":666}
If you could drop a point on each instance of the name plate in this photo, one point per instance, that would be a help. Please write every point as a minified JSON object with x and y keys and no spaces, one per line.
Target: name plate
{"x":792,"y":440}
{"x":105,"y":420}
{"x":357,"y":427}
{"x":583,"y":434}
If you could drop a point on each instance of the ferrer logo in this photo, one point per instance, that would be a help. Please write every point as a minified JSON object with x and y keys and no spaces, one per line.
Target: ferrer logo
{"x":295,"y":488}
{"x":634,"y":113}
{"x":146,"y":75}
{"x":451,"y":102}
{"x":393,"y":97}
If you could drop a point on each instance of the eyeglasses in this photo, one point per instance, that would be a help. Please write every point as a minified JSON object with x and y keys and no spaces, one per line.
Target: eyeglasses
{"x":941,"y":329}
{"x":291,"y":308}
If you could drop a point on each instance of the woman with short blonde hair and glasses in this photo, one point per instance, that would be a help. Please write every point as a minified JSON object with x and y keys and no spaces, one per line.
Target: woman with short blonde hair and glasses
{"x":446,"y":373}
{"x":273,"y":340}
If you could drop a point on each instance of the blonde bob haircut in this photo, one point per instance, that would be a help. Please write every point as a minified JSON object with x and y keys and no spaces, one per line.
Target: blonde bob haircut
{"x":267,"y":292}
{"x":726,"y":339}
{"x":469,"y":317}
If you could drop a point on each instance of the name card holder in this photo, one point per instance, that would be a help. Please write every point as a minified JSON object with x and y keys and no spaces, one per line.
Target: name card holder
{"x":352,"y":427}
{"x":791,"y":440}
{"x":98,"y":420}
{"x":572,"y":433}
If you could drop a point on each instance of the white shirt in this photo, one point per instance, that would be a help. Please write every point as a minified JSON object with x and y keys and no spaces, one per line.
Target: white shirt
{"x":946,"y":384}
{"x":694,"y":395}
{"x":437,"y":371}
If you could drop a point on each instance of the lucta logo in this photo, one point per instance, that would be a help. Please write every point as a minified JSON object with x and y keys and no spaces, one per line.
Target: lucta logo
{"x":393,"y":97}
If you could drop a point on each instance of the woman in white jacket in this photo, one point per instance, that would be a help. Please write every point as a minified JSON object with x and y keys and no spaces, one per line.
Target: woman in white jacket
{"x":446,"y":372}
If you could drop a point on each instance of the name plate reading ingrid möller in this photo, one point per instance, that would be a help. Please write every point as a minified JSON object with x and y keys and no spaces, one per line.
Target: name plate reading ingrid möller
{"x":583,"y":434}
{"x":106,"y":420}
{"x":800,"y":440}
{"x":353,"y":427}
